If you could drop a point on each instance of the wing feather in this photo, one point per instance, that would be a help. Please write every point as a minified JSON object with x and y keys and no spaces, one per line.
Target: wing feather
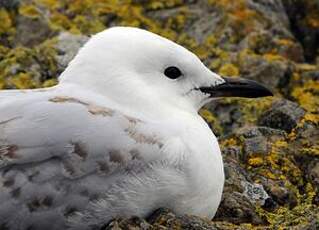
{"x":59,"y":152}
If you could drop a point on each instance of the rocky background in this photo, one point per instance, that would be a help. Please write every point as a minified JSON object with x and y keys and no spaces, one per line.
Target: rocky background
{"x":270,"y":146}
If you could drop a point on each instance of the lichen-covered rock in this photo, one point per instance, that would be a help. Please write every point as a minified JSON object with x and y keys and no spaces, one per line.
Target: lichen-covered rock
{"x":165,"y":219}
{"x":274,"y":73}
{"x":283,"y":115}
{"x":270,"y":146}
{"x":239,"y":197}
{"x":31,"y":32}
{"x":135,"y":223}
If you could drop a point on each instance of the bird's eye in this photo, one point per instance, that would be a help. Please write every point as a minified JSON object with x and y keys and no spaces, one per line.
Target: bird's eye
{"x":172,"y":72}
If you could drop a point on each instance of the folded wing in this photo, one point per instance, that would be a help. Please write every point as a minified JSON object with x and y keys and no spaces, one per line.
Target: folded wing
{"x":58,"y":153}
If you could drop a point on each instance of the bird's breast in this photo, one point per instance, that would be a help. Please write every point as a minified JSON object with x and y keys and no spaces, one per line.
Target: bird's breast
{"x":200,"y":158}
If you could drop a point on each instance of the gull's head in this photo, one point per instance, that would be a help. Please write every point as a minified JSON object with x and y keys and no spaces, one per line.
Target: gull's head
{"x":132,"y":66}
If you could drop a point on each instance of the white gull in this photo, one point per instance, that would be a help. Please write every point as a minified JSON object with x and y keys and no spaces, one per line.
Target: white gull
{"x":120,"y":135}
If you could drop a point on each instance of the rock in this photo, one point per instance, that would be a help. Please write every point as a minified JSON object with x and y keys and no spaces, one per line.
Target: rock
{"x":165,"y":219}
{"x":67,"y":47}
{"x":255,"y":193}
{"x":273,"y":74}
{"x":283,"y":115}
{"x":255,"y":145}
{"x":232,"y":152}
{"x":303,"y":17}
{"x":234,"y":176}
{"x":313,"y":172}
{"x":205,"y":21}
{"x":240,"y":196}
{"x":256,"y":141}
{"x":310,"y":75}
{"x":263,"y":42}
{"x":9,"y":4}
{"x":279,"y":193}
{"x":259,"y":41}
{"x":32,"y":31}
{"x":270,"y":175}
{"x":273,"y":10}
{"x":229,"y":116}
{"x":237,"y":208}
{"x":132,"y":223}
{"x":305,"y":152}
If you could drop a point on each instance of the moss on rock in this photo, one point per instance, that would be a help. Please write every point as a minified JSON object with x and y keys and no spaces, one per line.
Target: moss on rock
{"x":242,"y":38}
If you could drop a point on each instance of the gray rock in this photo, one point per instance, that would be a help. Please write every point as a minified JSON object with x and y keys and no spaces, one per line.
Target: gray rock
{"x":204,"y":18}
{"x":279,"y":193}
{"x":273,"y":74}
{"x":232,"y":152}
{"x":314,"y":172}
{"x":229,"y":116}
{"x":283,"y":115}
{"x":10,"y":4}
{"x":67,"y":47}
{"x":166,"y":218}
{"x":273,"y":10}
{"x":237,"y":208}
{"x":161,"y":219}
{"x":31,"y":32}
{"x":264,"y":42}
{"x":255,"y":145}
{"x":235,"y":175}
{"x":256,"y":140}
{"x":255,"y":193}
{"x":237,"y":205}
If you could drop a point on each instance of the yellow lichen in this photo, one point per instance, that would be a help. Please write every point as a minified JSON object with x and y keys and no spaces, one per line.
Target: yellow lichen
{"x":306,"y":96}
{"x":23,"y":81}
{"x":229,"y":70}
{"x":273,"y":57}
{"x":207,"y":115}
{"x":25,"y":67}
{"x":255,"y":161}
{"x":305,"y":67}
{"x":50,"y":82}
{"x":6,"y":22}
{"x":313,"y":22}
{"x":51,"y":4}
{"x":229,"y":142}
{"x":297,"y":217}
{"x":311,"y":151}
{"x":211,"y":119}
{"x":29,"y":11}
{"x":253,"y":108}
{"x":285,"y":42}
{"x":313,"y":118}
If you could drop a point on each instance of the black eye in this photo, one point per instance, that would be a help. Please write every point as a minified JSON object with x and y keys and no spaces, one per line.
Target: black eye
{"x":172,"y":72}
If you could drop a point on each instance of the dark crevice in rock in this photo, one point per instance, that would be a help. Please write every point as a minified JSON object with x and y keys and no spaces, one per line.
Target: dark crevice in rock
{"x":308,"y":36}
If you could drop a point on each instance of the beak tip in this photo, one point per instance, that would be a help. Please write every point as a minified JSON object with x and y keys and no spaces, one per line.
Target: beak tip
{"x":265,"y":92}
{"x":270,"y":94}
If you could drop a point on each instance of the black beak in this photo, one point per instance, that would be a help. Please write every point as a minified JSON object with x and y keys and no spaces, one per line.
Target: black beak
{"x":237,"y":87}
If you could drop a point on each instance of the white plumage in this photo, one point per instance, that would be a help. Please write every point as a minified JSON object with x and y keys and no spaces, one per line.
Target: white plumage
{"x":115,"y":137}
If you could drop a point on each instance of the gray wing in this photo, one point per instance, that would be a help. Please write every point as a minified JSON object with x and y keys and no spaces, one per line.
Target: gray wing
{"x":58,"y":153}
